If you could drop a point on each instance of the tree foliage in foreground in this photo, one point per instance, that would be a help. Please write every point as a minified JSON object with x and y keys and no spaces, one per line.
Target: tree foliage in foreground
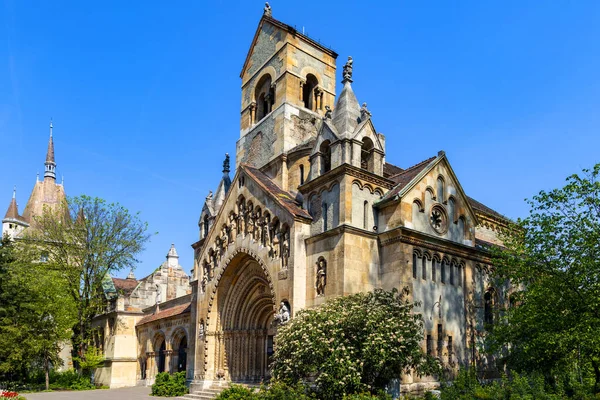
{"x":352,"y":344}
{"x":552,"y":259}
{"x":84,"y":240}
{"x":36,"y":312}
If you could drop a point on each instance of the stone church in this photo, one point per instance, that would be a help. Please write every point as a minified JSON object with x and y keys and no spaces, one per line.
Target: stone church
{"x":313,"y":211}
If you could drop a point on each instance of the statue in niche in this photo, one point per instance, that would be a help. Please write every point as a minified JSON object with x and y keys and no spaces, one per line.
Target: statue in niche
{"x":285,"y":249}
{"x":203,"y":283}
{"x":257,"y":227}
{"x":321,"y":277}
{"x":201,"y":329}
{"x":328,"y":112}
{"x":232,"y":227}
{"x":242,"y":221}
{"x":265,"y":232}
{"x":251,"y":226}
{"x":283,"y":315}
{"x":276,"y":241}
{"x":217,"y":251}
{"x":224,"y":238}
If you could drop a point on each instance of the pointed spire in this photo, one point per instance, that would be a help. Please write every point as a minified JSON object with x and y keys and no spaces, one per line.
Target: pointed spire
{"x":172,"y":257}
{"x":226,"y":165}
{"x":13,"y":209}
{"x":172,"y":251}
{"x":346,"y":113}
{"x":50,"y":165}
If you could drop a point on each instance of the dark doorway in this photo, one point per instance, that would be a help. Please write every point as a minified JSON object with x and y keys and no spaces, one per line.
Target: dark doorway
{"x":161,"y":357}
{"x":182,"y":355}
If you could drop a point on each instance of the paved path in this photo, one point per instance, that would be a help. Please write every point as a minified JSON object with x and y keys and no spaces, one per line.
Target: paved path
{"x":134,"y":393}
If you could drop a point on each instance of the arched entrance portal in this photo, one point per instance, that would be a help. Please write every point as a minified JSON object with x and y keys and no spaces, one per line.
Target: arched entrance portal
{"x":242,"y":320}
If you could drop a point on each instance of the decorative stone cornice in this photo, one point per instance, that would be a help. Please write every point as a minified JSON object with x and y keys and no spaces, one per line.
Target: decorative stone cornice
{"x":340,"y":230}
{"x":350,"y":170}
{"x":415,"y":238}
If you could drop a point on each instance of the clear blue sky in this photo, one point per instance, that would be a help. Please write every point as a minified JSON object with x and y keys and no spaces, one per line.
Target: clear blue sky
{"x":145,"y":96}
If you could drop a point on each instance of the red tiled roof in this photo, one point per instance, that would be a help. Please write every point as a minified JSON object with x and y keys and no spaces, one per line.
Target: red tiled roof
{"x":169,"y":312}
{"x":125,"y":286}
{"x":482,"y":208}
{"x":286,"y":200}
{"x":391,"y":170}
{"x":403,"y":178}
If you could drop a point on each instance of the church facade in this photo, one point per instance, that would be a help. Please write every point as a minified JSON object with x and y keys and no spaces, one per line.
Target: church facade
{"x":314,"y":211}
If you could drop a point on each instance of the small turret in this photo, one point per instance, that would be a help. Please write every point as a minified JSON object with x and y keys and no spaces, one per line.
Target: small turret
{"x":13,"y":223}
{"x":172,"y":257}
{"x":50,"y":164}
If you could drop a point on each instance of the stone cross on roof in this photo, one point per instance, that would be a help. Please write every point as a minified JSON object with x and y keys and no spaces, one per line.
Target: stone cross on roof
{"x":267,"y":11}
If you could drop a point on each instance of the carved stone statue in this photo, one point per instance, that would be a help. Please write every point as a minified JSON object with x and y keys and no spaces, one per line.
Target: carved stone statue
{"x":364,"y":112}
{"x":285,"y":249}
{"x":224,"y":238}
{"x":232,"y":227}
{"x":267,"y":11}
{"x":251,"y":226}
{"x":283,"y":315}
{"x":203,"y":283}
{"x":265,"y":233}
{"x":328,"y":112}
{"x":158,"y":294}
{"x":276,"y":242}
{"x":321,"y":277}
{"x":242,"y":222}
{"x":201,"y":329}
{"x":347,"y":72}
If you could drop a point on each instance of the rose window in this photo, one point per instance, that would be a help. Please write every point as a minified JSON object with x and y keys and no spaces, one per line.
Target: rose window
{"x":438,"y":219}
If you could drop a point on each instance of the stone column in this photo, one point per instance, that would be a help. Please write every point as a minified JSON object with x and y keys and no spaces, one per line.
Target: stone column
{"x":168,"y":357}
{"x":302,"y":83}
{"x":318,"y":97}
{"x":252,"y":113}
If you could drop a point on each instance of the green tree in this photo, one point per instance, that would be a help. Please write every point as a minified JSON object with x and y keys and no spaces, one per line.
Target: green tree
{"x":36,"y":312}
{"x":352,"y":344}
{"x":85,"y":239}
{"x":552,"y":261}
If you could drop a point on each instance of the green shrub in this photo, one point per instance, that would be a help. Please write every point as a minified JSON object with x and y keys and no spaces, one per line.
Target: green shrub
{"x":281,"y":391}
{"x":237,"y":392}
{"x":70,"y":380}
{"x":368,"y":396}
{"x":166,"y":385}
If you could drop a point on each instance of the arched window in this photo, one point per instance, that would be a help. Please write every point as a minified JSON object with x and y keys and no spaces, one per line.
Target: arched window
{"x":366,"y":215}
{"x":435,"y":262}
{"x":308,"y":92}
{"x":488,"y":308}
{"x":452,"y":268}
{"x":325,"y":216}
{"x":206,"y":226}
{"x":440,"y":189}
{"x":301,"y":174}
{"x":326,"y":156}
{"x":265,"y":97}
{"x":424,"y":267}
{"x":443,"y":271}
{"x":366,"y":154}
{"x":414,"y":265}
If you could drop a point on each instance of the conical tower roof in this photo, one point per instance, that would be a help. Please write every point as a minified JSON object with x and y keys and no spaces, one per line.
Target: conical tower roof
{"x":50,"y":152}
{"x":13,"y":209}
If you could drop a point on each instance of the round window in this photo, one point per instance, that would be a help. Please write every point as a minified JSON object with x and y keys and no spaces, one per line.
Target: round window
{"x":438,"y":219}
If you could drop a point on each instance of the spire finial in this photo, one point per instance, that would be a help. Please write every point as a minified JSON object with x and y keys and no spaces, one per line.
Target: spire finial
{"x":347,"y":74}
{"x":15,"y":192}
{"x":50,"y":126}
{"x":226,"y":165}
{"x":267,"y":11}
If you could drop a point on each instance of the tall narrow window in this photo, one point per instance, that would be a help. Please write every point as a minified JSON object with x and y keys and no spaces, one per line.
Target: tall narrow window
{"x":450,"y":350}
{"x":414,"y":266}
{"x":326,"y":156}
{"x":459,"y":275}
{"x":206,"y":225}
{"x":325,"y":217}
{"x":440,"y":189}
{"x":424,"y":267}
{"x":440,"y":340}
{"x":366,"y":215}
{"x":443,"y":272}
{"x":301,"y":174}
{"x":488,"y":308}
{"x":366,"y":154}
{"x":308,"y":92}
{"x":434,"y":266}
{"x":429,"y":345}
{"x":452,"y":267}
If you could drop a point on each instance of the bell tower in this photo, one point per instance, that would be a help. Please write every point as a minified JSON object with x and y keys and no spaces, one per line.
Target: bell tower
{"x":287,"y":81}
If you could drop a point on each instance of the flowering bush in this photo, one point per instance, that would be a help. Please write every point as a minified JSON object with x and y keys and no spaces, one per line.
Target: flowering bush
{"x":352,"y":344}
{"x":5,"y":394}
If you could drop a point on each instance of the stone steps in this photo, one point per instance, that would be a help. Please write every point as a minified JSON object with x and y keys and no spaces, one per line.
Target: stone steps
{"x":214,"y":390}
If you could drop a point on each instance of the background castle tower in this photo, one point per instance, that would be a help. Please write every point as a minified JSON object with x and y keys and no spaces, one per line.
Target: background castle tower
{"x":13,"y":224}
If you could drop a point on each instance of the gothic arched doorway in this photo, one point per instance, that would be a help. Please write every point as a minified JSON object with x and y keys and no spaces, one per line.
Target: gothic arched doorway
{"x":161,"y":355}
{"x":242,"y":321}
